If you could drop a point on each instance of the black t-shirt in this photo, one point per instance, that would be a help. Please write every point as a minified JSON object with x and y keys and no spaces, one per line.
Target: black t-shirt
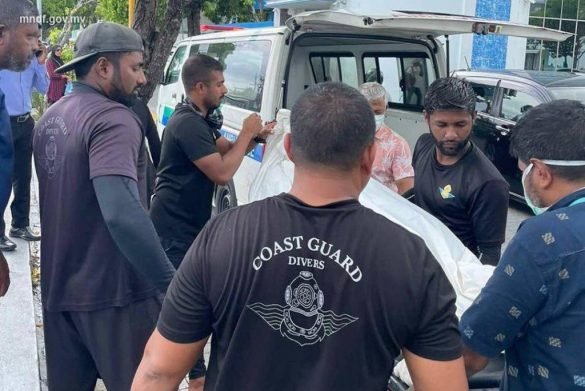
{"x":309,"y":298}
{"x":83,"y":136}
{"x":183,"y":194}
{"x":470,"y":197}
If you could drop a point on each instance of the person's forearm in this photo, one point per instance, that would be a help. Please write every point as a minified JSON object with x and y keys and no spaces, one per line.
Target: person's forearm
{"x":405,"y":184}
{"x":233,"y":157}
{"x":148,"y":380}
{"x":473,"y":362}
{"x":132,"y":229}
{"x":251,"y":146}
{"x":41,"y":79}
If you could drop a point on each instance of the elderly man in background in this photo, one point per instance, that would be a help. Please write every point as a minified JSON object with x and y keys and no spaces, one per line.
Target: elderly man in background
{"x":20,"y":86}
{"x":393,"y":164}
{"x":18,"y":42}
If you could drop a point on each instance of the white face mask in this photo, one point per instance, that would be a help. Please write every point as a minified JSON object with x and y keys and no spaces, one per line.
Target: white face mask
{"x":537,"y":210}
{"x":379,"y":121}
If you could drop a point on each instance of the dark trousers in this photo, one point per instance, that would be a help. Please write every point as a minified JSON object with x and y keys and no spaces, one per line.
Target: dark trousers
{"x":22,"y":133}
{"x":108,"y":344}
{"x":176,"y":251}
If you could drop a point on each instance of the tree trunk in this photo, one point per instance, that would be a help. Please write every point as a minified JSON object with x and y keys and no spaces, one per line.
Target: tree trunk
{"x":193,"y":15}
{"x":158,"y":44}
{"x":68,"y":26}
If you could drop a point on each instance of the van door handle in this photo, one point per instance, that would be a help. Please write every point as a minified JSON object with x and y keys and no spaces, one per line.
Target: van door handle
{"x":504,"y":131}
{"x":174,"y":95}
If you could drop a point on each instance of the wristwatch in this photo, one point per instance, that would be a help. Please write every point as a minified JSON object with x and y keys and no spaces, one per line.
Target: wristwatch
{"x":259,"y":140}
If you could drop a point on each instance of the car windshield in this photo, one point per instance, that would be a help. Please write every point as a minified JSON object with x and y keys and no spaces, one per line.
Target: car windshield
{"x":574,"y":93}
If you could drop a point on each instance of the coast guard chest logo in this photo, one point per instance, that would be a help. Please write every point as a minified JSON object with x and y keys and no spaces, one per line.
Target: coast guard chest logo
{"x":302,"y":320}
{"x":51,"y":161}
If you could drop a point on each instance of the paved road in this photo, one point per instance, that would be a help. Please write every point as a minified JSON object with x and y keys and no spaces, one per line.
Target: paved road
{"x":516,"y":214}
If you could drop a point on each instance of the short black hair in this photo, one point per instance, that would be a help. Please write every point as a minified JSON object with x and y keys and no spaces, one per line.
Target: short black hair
{"x":552,"y":131}
{"x":198,"y":69}
{"x":450,"y":93}
{"x":82,"y":69}
{"x":331,"y":125}
{"x":14,"y":11}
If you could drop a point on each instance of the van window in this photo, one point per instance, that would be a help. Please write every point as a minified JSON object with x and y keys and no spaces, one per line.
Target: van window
{"x":516,"y":103}
{"x":484,"y":96}
{"x":244,"y":65}
{"x":174,"y":70}
{"x":334,"y":67}
{"x":404,"y":76}
{"x":194,"y":50}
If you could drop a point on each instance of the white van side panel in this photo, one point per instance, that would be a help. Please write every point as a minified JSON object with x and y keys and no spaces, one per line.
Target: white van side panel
{"x":234,"y":116}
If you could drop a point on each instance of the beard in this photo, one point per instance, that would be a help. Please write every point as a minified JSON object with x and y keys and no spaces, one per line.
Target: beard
{"x":212,"y":105}
{"x":119,"y":95}
{"x":15,"y":64}
{"x":451,"y":148}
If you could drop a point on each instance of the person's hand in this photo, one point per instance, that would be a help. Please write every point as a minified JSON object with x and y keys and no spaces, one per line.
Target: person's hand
{"x":42,"y":54}
{"x":252,"y":126}
{"x":267,"y":130}
{"x":4,"y":275}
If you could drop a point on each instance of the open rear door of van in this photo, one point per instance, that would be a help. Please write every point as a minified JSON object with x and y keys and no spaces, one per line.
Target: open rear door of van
{"x":415,"y":25}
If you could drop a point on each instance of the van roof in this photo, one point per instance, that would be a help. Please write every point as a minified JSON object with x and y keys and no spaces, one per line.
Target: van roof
{"x":415,"y":25}
{"x":396,"y":23}
{"x":257,"y":32}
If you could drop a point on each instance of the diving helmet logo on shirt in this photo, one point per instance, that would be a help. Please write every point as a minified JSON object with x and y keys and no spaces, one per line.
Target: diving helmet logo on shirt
{"x":302,"y":320}
{"x":52,"y":161}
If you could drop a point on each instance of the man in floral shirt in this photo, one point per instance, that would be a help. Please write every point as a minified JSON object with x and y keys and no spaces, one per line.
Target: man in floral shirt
{"x":393,"y":162}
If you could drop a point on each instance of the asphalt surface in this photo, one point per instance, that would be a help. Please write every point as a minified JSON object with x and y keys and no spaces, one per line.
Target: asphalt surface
{"x":516,"y":214}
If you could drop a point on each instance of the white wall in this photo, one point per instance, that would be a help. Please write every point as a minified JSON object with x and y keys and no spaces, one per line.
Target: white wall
{"x":460,"y":46}
{"x":516,"y":54}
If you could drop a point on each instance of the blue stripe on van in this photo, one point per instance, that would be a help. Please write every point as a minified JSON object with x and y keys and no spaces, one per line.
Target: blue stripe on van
{"x":166,"y":114}
{"x":257,"y":153}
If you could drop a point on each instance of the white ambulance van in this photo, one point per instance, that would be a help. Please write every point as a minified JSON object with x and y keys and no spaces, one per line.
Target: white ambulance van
{"x":268,"y":69}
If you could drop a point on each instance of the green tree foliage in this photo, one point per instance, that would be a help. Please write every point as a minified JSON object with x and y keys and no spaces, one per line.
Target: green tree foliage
{"x":226,"y":11}
{"x":57,"y":8}
{"x":113,"y":11}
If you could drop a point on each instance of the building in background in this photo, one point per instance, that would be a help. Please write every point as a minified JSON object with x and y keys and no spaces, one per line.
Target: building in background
{"x":565,"y":15}
{"x":488,"y":52}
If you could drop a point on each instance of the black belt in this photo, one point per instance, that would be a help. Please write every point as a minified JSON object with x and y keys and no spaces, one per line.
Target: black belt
{"x":20,"y":118}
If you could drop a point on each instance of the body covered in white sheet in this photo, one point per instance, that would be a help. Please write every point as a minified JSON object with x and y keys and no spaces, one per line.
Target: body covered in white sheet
{"x":465,"y":272}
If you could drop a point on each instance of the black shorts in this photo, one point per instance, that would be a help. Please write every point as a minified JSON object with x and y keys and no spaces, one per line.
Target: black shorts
{"x":108,"y":344}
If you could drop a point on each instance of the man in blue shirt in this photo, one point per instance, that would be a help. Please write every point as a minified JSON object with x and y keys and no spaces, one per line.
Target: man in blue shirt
{"x":19,"y":86}
{"x":533,"y":307}
{"x":18,"y":42}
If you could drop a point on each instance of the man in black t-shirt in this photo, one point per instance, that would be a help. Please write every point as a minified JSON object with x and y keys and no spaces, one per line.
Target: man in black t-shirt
{"x":310,"y":290}
{"x":454,"y":180}
{"x":194,"y":158}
